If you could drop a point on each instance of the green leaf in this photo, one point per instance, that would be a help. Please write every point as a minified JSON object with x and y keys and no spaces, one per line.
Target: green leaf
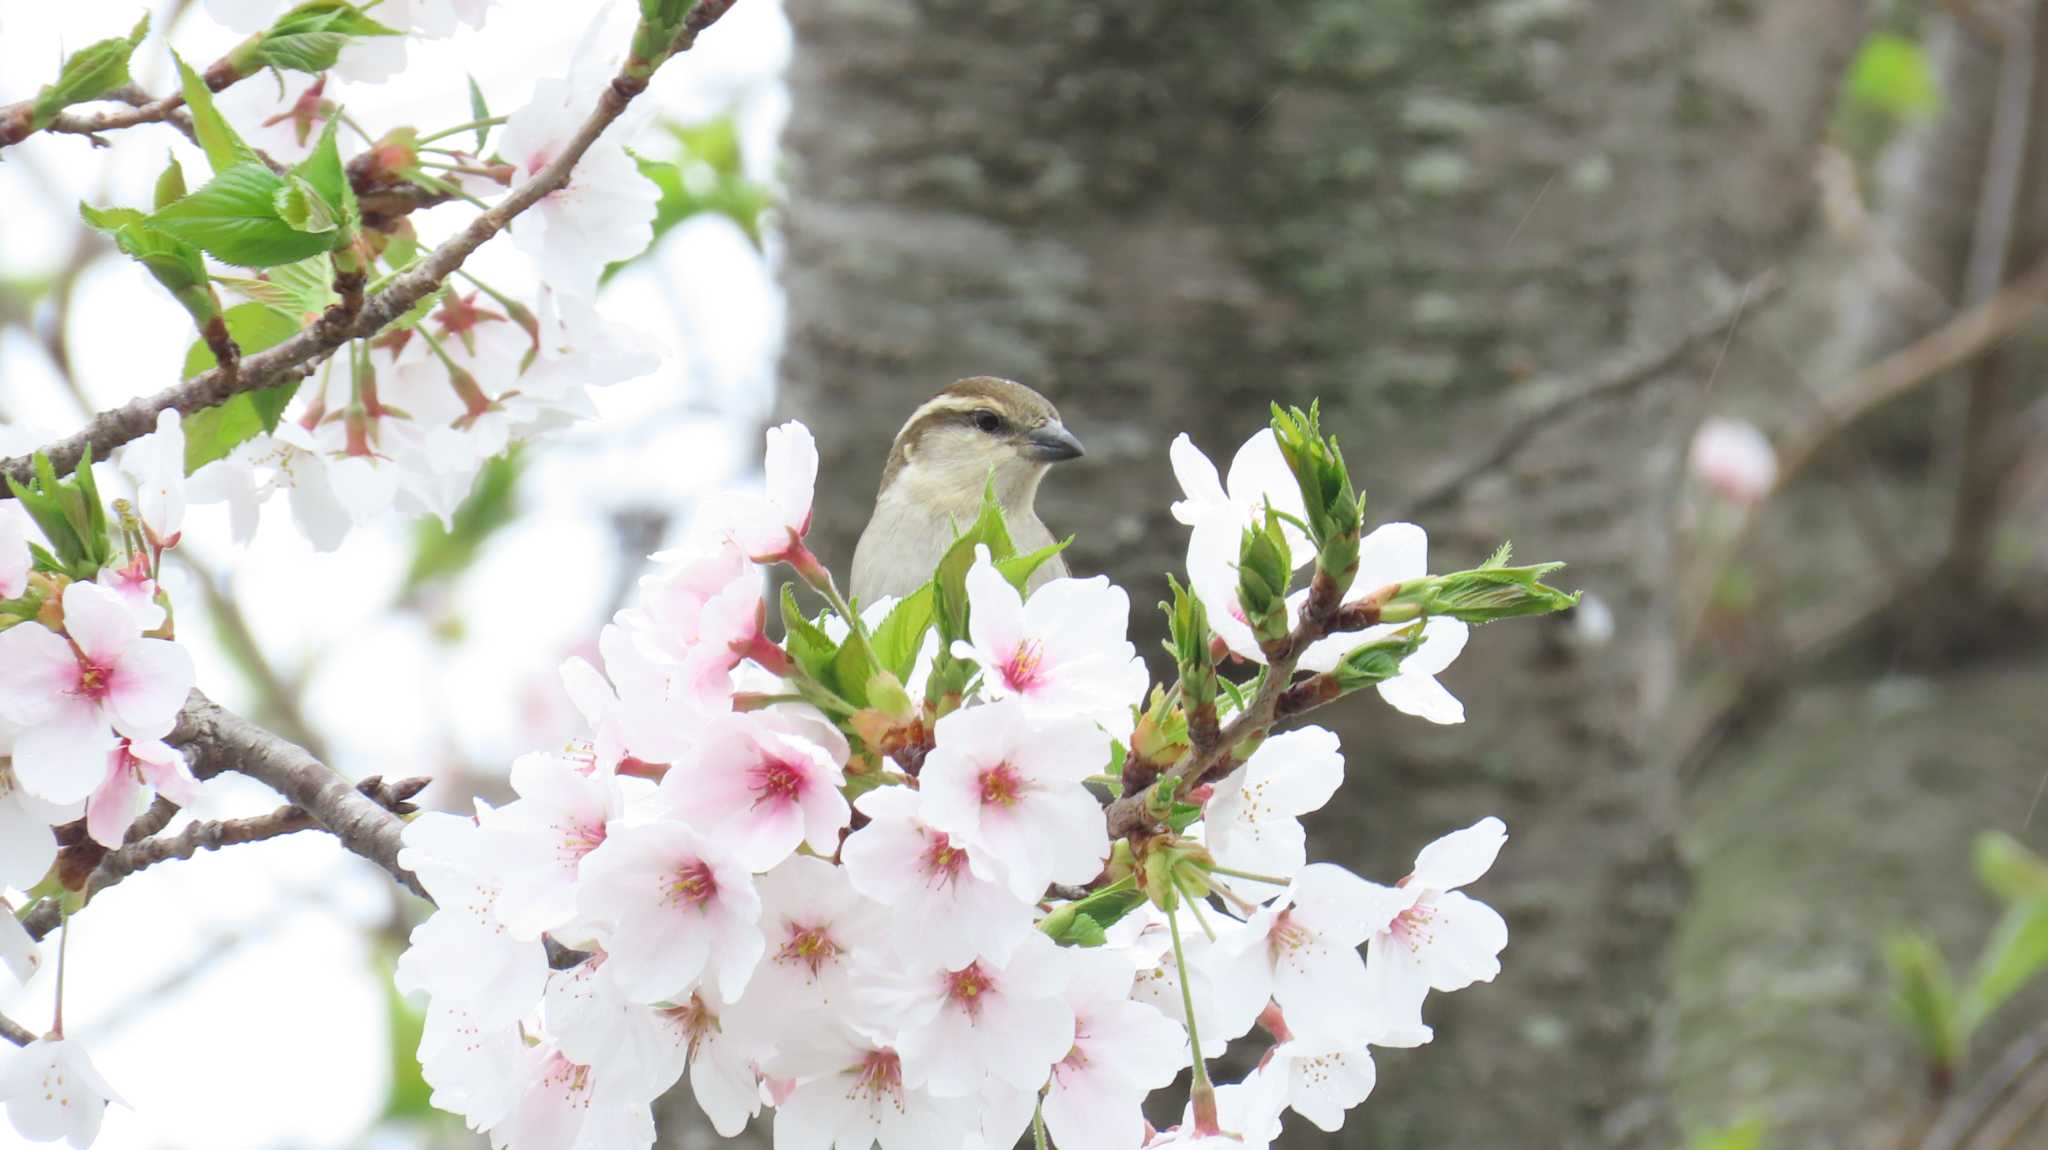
{"x":234,"y":218}
{"x":303,"y":289}
{"x":174,"y":263}
{"x":710,"y":181}
{"x":224,"y":149}
{"x":478,"y":110}
{"x":211,"y":433}
{"x":1891,"y":75}
{"x":323,"y":171}
{"x":170,"y":185}
{"x":1019,"y":569}
{"x":310,"y":37}
{"x":301,"y":208}
{"x":950,"y":581}
{"x":1924,"y":998}
{"x":901,"y":635}
{"x":90,"y":73}
{"x":1745,"y":1135}
{"x":2008,"y":869}
{"x":812,"y":649}
{"x":2015,"y":957}
{"x":70,"y":516}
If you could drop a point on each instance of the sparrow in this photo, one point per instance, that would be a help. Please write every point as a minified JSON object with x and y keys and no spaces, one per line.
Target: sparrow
{"x":975,"y":431}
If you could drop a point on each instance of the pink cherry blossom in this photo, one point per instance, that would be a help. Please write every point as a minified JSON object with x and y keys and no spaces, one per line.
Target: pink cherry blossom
{"x":462,"y":954}
{"x":937,"y":900}
{"x":52,"y":1090}
{"x":136,"y":772}
{"x":819,"y":931}
{"x":671,"y":904}
{"x":1123,"y":1050}
{"x":135,"y":585}
{"x":1395,"y":553}
{"x":476,"y":1069}
{"x":566,"y":1106}
{"x":1008,"y":786}
{"x":15,"y":560}
{"x":852,"y":1091}
{"x":72,"y":693}
{"x":1427,"y":935}
{"x":539,"y":842}
{"x":764,"y":783}
{"x":1734,"y":460}
{"x":769,"y":526}
{"x":1007,"y":1021}
{"x":1062,"y":653}
{"x":27,"y":845}
{"x":1253,"y":818}
{"x":702,"y":609}
{"x":640,"y":706}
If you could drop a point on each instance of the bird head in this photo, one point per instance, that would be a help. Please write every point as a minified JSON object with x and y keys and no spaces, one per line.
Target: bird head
{"x":974,"y":430}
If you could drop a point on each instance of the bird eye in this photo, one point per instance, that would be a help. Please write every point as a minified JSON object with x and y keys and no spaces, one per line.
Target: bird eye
{"x":988,"y":421}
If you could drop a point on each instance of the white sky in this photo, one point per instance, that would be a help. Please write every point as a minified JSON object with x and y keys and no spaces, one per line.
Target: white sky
{"x":274,"y":1032}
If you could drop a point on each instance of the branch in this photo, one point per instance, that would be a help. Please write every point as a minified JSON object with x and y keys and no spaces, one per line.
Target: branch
{"x":296,"y":357}
{"x":16,"y":118}
{"x":1544,"y":400}
{"x":220,"y":740}
{"x":15,"y":1032}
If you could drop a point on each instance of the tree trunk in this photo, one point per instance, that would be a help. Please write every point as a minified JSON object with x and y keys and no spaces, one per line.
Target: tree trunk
{"x":1166,"y":213}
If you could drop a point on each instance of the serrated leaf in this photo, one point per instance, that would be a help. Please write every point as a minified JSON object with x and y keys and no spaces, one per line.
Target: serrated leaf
{"x":224,"y":149}
{"x":211,"y":433}
{"x":1019,"y":569}
{"x":323,"y":170}
{"x":310,"y":37}
{"x":234,"y":218}
{"x":174,"y":263}
{"x":170,"y":184}
{"x":109,"y":220}
{"x":302,"y":289}
{"x":89,"y":73}
{"x":2016,"y":955}
{"x":301,"y":208}
{"x":478,"y":110}
{"x":807,"y":644}
{"x":901,"y":635}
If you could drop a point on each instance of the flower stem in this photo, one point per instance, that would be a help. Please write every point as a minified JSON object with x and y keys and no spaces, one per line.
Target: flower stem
{"x":63,"y":950}
{"x":486,"y":122}
{"x":1203,"y":1092}
{"x":1195,"y":905}
{"x":1269,"y":880}
{"x":1038,"y":1139}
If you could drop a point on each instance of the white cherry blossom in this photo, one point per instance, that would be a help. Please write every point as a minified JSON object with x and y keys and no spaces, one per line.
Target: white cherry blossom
{"x":1122,"y":1051}
{"x":1008,"y":786}
{"x":769,"y":526}
{"x":463,"y":955}
{"x":1428,"y":935}
{"x":818,"y":931}
{"x":1007,"y":1020}
{"x":155,"y":463}
{"x":1259,"y":478}
{"x":1301,"y":950}
{"x":566,"y":1106}
{"x":1253,"y":818}
{"x":15,"y":560}
{"x":605,"y":213}
{"x":1395,"y":553}
{"x":539,"y":842}
{"x":1061,"y":653}
{"x":52,"y":1090}
{"x":763,"y":783}
{"x":18,"y":952}
{"x":477,"y":1070}
{"x":72,"y":693}
{"x":852,"y":1092}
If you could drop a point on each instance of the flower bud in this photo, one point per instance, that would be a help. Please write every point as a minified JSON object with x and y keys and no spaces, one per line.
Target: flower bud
{"x":1335,"y":511}
{"x":1264,"y":571}
{"x":1493,"y":590}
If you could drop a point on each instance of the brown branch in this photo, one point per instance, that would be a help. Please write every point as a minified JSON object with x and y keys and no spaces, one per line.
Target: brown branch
{"x":15,"y":1032}
{"x":218,"y":739}
{"x":16,"y":119}
{"x":1542,"y":401}
{"x":296,"y":357}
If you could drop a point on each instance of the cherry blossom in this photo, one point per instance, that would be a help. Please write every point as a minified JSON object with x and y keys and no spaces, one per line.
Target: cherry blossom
{"x":71,"y":693}
{"x":27,"y":845}
{"x":18,"y":952}
{"x":1122,"y":1051}
{"x":1395,"y":553}
{"x":1734,"y":460}
{"x":539,"y":842}
{"x":1259,"y":478}
{"x":937,"y":898}
{"x":1428,"y":935}
{"x":1252,"y":821}
{"x":1301,"y":950}
{"x":1008,"y":1020}
{"x":769,"y":526}
{"x":1324,"y":1079}
{"x":15,"y":560}
{"x":670,"y":904}
{"x":1247,"y":1113}
{"x":1062,"y":653}
{"x":764,"y":783}
{"x":52,"y":1091}
{"x":818,"y":930}
{"x":701,"y":608}
{"x":1008,"y":786}
{"x":852,"y":1091}
{"x":604,"y":213}
{"x":639,"y":706}
{"x":476,"y":1069}
{"x":155,"y":463}
{"x":1143,"y":940}
{"x":566,"y":1106}
{"x":462,"y":954}
{"x":135,"y":585}
{"x":136,"y":772}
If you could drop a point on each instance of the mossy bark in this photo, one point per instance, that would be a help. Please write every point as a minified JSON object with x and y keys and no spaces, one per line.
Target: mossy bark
{"x":1166,"y":213}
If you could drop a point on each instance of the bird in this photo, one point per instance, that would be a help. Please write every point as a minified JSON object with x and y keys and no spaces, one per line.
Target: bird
{"x":975,"y":431}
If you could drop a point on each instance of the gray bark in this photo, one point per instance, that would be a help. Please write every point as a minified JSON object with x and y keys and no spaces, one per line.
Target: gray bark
{"x":1165,"y":213}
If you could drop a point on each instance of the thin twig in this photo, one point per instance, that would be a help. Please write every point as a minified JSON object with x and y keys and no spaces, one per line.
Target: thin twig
{"x":1967,"y":1111}
{"x":1544,"y":400}
{"x":296,"y":357}
{"x":15,"y":1032}
{"x":17,"y":120}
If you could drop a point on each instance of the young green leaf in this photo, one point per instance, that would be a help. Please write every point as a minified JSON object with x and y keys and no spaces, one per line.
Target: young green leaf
{"x":2009,"y":870}
{"x":90,"y":73}
{"x":2016,"y":955}
{"x":310,"y":37}
{"x":234,"y":218}
{"x":323,"y":171}
{"x":479,"y":111}
{"x":170,"y":185}
{"x":950,"y":581}
{"x":211,"y":433}
{"x":172,"y":262}
{"x":301,"y":207}
{"x":224,"y":149}
{"x":1924,"y":998}
{"x":901,"y":635}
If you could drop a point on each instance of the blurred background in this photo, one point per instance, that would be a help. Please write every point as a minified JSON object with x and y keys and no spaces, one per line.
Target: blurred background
{"x":1734,"y":305}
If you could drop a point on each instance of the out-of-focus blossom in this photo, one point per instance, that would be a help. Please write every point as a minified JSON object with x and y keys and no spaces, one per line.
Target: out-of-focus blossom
{"x":52,"y":1091}
{"x":155,"y":463}
{"x":1734,"y":460}
{"x":603,"y":214}
{"x":15,"y":560}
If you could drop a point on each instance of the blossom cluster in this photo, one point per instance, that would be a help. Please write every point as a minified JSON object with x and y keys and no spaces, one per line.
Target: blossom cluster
{"x":737,"y":887}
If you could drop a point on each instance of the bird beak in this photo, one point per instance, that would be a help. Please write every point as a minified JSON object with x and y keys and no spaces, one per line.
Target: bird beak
{"x":1052,"y":443}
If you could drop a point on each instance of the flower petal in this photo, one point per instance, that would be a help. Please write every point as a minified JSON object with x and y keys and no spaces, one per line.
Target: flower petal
{"x":1461,"y":856}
